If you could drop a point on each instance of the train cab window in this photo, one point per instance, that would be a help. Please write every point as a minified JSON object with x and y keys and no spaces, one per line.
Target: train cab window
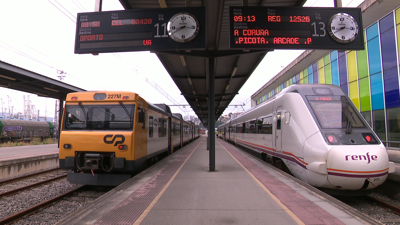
{"x":99,"y":117}
{"x":278,"y":121}
{"x":266,"y":125}
{"x":150,"y":126}
{"x":335,"y":112}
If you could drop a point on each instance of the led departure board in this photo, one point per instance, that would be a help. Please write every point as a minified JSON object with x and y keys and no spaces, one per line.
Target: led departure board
{"x":295,"y":28}
{"x":141,"y":30}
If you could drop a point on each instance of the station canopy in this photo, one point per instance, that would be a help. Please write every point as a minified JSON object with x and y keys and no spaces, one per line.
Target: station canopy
{"x":190,"y":69}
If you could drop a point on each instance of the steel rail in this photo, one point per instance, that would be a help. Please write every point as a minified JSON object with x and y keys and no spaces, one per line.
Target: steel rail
{"x":19,"y":215}
{"x":394,"y":208}
{"x":31,"y":185}
{"x":25,"y":176}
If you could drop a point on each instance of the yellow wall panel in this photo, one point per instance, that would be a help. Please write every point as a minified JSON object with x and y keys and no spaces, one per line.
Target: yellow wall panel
{"x":353,"y":94}
{"x":321,"y":73}
{"x":301,"y":78}
{"x":352,"y":66}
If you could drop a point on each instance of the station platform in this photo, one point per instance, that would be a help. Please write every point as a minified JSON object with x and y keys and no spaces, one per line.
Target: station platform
{"x":181,"y":190}
{"x":20,"y":160}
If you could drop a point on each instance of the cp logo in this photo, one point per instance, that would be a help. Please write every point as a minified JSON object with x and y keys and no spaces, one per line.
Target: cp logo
{"x":115,"y":137}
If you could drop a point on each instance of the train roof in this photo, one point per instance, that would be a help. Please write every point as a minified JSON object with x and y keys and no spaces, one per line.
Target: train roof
{"x":89,"y":96}
{"x":302,"y":89}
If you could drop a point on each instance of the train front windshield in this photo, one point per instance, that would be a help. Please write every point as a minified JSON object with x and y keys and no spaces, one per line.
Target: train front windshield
{"x":335,"y":112}
{"x":99,"y":117}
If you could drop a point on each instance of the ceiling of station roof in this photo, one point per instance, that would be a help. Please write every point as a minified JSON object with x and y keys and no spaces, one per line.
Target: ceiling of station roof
{"x":17,"y":78}
{"x":190,"y":69}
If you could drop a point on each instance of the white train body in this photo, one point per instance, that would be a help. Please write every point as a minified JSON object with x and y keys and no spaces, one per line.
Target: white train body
{"x":319,"y":135}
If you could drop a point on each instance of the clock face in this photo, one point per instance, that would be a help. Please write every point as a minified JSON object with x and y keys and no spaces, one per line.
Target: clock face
{"x":183,"y":27}
{"x":343,"y":28}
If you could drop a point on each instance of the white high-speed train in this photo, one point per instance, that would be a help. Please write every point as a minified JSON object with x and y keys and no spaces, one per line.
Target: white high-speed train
{"x":316,"y":133}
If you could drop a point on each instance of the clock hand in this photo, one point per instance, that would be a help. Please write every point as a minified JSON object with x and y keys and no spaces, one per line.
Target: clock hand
{"x":180,"y":28}
{"x":340,"y":29}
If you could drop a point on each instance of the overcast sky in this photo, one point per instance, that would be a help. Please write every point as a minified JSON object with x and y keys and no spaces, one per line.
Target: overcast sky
{"x":39,"y":36}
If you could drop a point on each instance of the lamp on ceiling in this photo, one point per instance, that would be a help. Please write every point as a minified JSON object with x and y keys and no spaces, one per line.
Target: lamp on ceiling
{"x":6,"y":77}
{"x":182,"y":60}
{"x":234,"y":71}
{"x":50,"y":89}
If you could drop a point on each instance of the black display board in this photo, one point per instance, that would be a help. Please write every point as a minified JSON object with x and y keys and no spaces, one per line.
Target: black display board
{"x":134,"y":30}
{"x":292,"y":28}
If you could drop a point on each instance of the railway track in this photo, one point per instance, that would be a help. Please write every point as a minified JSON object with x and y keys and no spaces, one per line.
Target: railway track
{"x":43,"y":198}
{"x":375,"y":206}
{"x":2,"y":182}
{"x":18,"y":216}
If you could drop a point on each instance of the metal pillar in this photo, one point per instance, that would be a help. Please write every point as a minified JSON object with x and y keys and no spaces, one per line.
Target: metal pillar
{"x":60,"y":114}
{"x":211,"y":111}
{"x":337,"y":3}
{"x":98,"y":5}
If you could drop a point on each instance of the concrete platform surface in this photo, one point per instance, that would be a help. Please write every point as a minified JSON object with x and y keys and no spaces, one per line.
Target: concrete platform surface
{"x":19,"y":152}
{"x":243,"y":190}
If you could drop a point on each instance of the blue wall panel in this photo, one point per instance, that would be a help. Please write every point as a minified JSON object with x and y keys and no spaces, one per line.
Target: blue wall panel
{"x":334,"y":68}
{"x":391,"y":88}
{"x":389,"y":54}
{"x":310,"y":75}
{"x":377,"y":91}
{"x":386,"y":23}
{"x":372,"y":31}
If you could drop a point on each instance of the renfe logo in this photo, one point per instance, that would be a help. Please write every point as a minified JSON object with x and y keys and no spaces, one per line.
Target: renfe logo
{"x":362,"y":157}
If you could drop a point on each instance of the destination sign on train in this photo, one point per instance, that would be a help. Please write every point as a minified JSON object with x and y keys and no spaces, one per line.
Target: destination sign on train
{"x":141,"y":30}
{"x":295,"y":28}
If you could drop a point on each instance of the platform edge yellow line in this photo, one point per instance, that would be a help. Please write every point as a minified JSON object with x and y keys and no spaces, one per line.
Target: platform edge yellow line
{"x":290,"y":213}
{"x":152,"y":204}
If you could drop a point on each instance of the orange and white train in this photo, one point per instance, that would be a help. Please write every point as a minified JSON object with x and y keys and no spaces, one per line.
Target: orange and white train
{"x":108,"y":136}
{"x":316,"y":133}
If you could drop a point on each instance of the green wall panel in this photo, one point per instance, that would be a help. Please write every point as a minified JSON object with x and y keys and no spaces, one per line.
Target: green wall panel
{"x":365,"y":98}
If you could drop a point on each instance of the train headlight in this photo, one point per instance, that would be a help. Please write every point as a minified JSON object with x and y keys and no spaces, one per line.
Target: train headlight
{"x":369,"y":138}
{"x":123,"y":147}
{"x":332,"y":139}
{"x":67,"y":146}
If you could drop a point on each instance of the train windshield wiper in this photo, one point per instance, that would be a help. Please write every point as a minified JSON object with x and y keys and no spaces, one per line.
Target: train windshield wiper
{"x":126,"y":110}
{"x":84,"y":112}
{"x":349,"y":123}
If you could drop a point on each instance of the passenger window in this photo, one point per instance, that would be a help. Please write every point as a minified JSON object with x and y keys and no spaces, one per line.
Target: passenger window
{"x":253,"y":124}
{"x":150,"y":126}
{"x":142,"y":116}
{"x":266,"y":125}
{"x":247,"y":127}
{"x":162,"y":128}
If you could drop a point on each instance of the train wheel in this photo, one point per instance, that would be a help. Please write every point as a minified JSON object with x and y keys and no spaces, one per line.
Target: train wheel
{"x":264,"y":157}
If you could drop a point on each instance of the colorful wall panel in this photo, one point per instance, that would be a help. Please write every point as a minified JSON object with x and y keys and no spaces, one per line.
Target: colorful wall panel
{"x":369,"y":77}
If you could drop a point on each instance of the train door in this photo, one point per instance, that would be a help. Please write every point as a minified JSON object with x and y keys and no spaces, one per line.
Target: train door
{"x":278,"y":130}
{"x":169,"y":130}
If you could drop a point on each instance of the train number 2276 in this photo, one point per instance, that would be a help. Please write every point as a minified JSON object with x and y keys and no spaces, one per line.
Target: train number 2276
{"x":113,"y":96}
